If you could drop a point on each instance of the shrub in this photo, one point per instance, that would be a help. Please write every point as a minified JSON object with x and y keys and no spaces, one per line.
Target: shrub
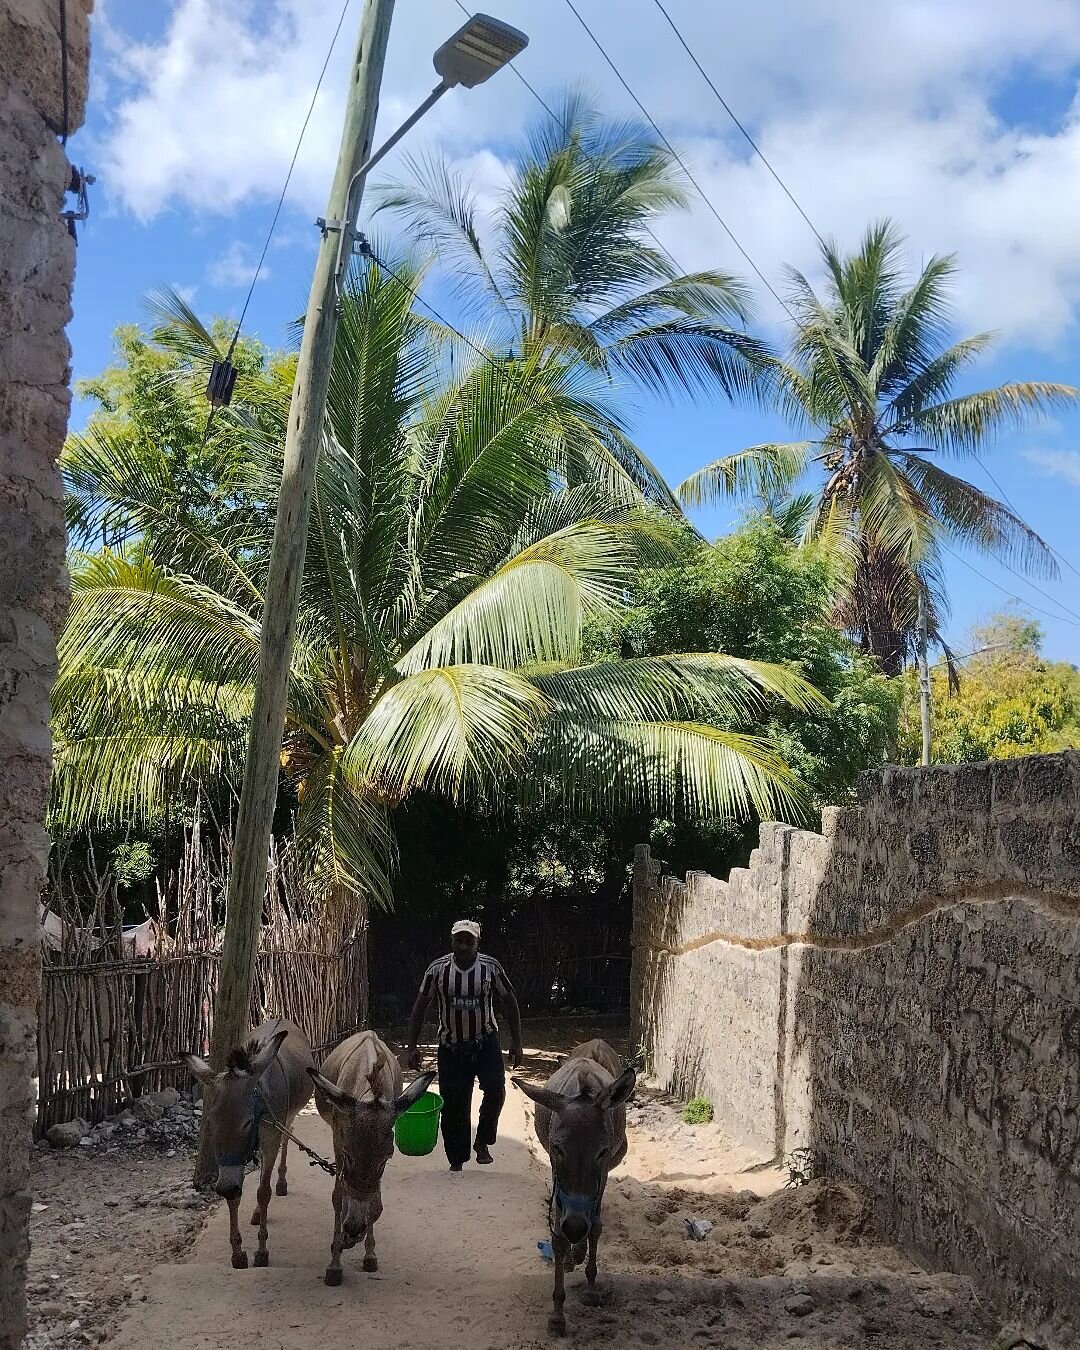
{"x":698,"y":1111}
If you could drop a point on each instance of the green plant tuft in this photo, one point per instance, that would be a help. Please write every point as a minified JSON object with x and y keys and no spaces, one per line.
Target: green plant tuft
{"x":698,"y":1111}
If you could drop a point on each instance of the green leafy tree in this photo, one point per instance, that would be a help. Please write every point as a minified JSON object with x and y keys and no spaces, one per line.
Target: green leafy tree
{"x":755,"y":595}
{"x":568,"y":266}
{"x":870,"y":380}
{"x":1008,"y":701}
{"x":466,"y":526}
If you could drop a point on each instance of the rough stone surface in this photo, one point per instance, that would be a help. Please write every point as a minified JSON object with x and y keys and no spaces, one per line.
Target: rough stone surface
{"x":36,"y":267}
{"x":900,"y":997}
{"x":67,"y":1134}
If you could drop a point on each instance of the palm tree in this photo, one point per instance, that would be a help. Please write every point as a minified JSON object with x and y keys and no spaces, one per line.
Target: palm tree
{"x":450,"y":569}
{"x":567,"y":265}
{"x":869,"y":378}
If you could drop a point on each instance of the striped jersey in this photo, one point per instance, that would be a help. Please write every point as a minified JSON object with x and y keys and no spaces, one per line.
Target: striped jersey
{"x":466,"y":1011}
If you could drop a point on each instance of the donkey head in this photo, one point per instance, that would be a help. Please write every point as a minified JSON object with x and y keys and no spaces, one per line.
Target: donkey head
{"x":363,"y":1145}
{"x":581,"y":1142}
{"x":234,"y":1107}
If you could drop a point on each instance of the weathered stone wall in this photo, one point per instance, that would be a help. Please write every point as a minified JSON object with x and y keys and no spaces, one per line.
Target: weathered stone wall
{"x":900,"y":995}
{"x":36,"y":268}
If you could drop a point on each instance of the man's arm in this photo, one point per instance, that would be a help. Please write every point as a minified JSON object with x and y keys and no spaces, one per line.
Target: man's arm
{"x":416,"y":1026}
{"x":508,"y":999}
{"x":513,"y":1016}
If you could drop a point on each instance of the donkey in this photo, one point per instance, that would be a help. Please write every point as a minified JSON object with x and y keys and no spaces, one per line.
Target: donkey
{"x":266,"y":1080}
{"x":581,"y":1125}
{"x":359,"y":1094}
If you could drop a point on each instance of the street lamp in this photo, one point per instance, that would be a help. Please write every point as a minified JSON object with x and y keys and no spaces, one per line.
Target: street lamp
{"x":479,"y":49}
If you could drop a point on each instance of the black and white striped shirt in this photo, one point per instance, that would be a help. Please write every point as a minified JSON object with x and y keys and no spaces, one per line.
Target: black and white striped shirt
{"x":465,"y":996}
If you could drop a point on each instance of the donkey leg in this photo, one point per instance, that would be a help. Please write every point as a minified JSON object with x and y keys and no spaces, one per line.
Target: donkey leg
{"x":333,"y":1270}
{"x":262,"y":1256}
{"x":557,"y":1321}
{"x":239,"y":1256}
{"x":589,"y":1295}
{"x":282,"y":1187}
{"x":371,"y":1261}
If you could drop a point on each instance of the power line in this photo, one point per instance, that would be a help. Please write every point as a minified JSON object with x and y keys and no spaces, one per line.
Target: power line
{"x":682,"y":165}
{"x":280,"y":204}
{"x":288,"y":176}
{"x":1059,"y":618}
{"x":559,"y":122}
{"x":1013,"y":507}
{"x":730,"y":112}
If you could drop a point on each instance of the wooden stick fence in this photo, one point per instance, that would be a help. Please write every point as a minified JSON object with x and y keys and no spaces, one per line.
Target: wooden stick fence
{"x":111,"y":1026}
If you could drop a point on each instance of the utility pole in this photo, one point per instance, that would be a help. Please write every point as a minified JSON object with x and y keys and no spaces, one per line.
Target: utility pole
{"x":258,"y":798}
{"x":924,"y":678}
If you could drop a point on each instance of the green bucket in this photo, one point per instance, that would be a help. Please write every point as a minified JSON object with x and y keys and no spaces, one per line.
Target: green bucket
{"x":417,"y":1129}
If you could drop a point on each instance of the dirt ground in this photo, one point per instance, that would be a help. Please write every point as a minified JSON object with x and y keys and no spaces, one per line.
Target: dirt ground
{"x":127,"y":1255}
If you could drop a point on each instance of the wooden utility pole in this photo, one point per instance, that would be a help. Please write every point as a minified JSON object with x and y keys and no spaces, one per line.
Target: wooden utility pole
{"x":247,"y":871}
{"x":924,"y":678}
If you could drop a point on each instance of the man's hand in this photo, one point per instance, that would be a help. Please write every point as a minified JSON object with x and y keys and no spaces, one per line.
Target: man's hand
{"x":516,"y":1056}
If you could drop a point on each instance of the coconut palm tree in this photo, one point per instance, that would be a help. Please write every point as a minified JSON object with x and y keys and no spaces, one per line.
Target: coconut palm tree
{"x":869,"y":379}
{"x":566,"y":264}
{"x":464,"y":527}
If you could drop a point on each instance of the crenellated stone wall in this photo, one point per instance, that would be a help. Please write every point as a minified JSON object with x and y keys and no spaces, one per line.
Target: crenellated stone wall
{"x":37,"y":258}
{"x":901,"y":996}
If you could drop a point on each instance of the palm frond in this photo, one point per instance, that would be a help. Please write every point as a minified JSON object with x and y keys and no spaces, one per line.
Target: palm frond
{"x":449,"y":729}
{"x":767,"y":470}
{"x":962,"y":425}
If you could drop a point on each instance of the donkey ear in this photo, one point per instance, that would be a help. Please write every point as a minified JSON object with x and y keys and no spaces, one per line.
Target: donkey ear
{"x":619,"y":1092}
{"x":200,"y":1069}
{"x":343,"y":1100}
{"x":542,"y":1096}
{"x":413,"y":1093}
{"x":265,"y":1055}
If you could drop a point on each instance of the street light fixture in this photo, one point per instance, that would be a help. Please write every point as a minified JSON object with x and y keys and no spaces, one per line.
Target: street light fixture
{"x":479,"y":49}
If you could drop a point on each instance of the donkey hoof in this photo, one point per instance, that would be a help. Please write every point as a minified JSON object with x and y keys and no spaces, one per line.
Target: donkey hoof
{"x":239,"y":1261}
{"x":557,"y":1324}
{"x":371,"y":1264}
{"x":256,"y":1219}
{"x":333,"y":1275}
{"x":262,"y":1258}
{"x":282,"y":1188}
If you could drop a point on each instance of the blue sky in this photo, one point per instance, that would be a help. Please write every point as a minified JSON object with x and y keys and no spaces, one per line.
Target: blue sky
{"x":962,"y":122}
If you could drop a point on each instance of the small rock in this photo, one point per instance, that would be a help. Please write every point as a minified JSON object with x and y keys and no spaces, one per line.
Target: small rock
{"x":802,"y":1305}
{"x":932,"y":1305}
{"x":146,"y":1109}
{"x":664,"y":1296}
{"x":106,"y":1129}
{"x":50,"y":1308}
{"x":87,"y":1141}
{"x":111,"y":1202}
{"x":67,"y":1134}
{"x":74,"y":1325}
{"x":164,"y":1097}
{"x":871,"y":1326}
{"x":802,"y":1248}
{"x":824,"y":1259}
{"x":760,"y":1230}
{"x":126,"y":1121}
{"x":37,"y":1207}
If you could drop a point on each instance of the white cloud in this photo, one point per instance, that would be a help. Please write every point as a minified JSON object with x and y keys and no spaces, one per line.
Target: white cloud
{"x":186,"y":293}
{"x":1064,"y":464}
{"x":235,"y":267}
{"x":891,"y":117}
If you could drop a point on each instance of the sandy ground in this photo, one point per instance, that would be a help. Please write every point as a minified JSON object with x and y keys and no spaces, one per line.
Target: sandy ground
{"x":459,"y":1263}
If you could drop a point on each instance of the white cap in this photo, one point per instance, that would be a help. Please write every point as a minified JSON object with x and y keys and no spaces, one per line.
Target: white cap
{"x":466,"y":926}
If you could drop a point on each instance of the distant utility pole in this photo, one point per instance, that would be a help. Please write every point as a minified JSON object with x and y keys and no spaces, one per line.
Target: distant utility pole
{"x":924,"y":678}
{"x":247,"y":872}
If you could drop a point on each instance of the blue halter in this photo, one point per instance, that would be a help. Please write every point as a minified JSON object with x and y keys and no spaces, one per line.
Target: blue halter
{"x":242,"y":1159}
{"x":576,"y":1204}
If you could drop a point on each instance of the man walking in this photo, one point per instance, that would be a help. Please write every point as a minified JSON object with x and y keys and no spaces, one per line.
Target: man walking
{"x":466,"y":984}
